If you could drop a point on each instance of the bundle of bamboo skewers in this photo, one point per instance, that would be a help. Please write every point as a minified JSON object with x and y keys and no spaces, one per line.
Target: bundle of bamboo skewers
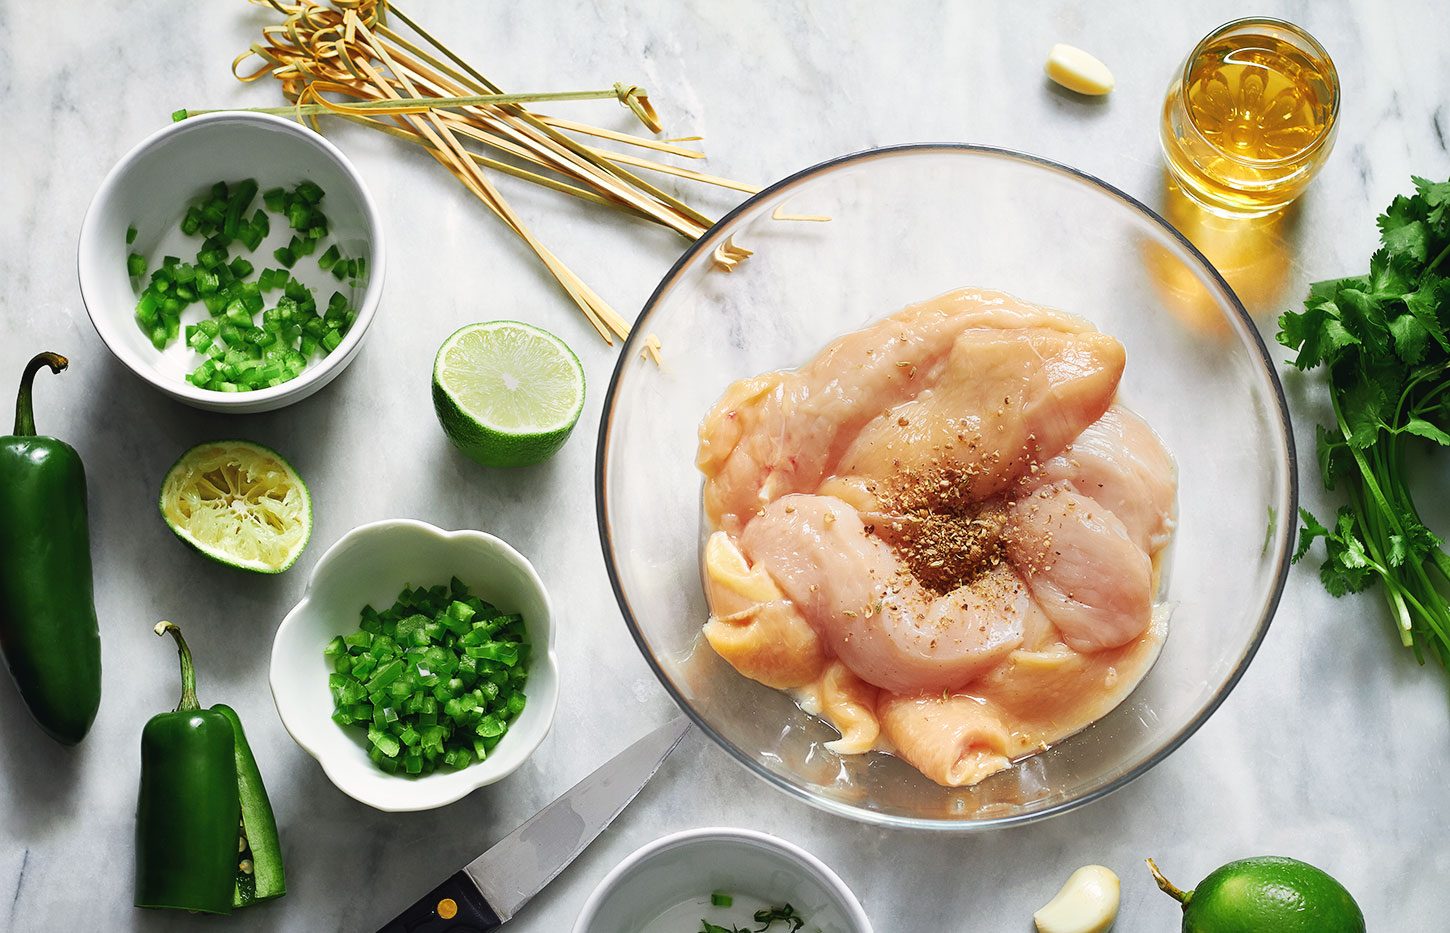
{"x":345,"y":58}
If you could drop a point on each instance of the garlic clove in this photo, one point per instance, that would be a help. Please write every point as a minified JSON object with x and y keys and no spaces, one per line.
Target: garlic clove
{"x":1078,"y":71}
{"x":1087,"y":903}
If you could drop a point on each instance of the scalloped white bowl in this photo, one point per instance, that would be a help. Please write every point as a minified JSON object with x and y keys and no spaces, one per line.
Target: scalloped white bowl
{"x":370,"y":565}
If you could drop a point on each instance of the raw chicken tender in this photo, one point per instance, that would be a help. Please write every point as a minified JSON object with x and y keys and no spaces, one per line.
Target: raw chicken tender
{"x":753,"y":626}
{"x":1004,"y":399}
{"x":939,"y":533}
{"x":874,"y":615}
{"x":1085,"y":572}
{"x":1121,"y":464}
{"x":849,"y":703}
{"x":954,"y":740}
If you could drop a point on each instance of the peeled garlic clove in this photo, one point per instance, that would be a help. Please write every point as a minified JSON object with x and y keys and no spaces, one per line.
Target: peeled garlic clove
{"x":1087,"y":903}
{"x":1078,"y":71}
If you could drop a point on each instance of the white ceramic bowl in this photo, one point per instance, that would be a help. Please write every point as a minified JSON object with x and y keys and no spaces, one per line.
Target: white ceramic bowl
{"x":672,"y":870}
{"x":150,"y":188}
{"x":370,"y":565}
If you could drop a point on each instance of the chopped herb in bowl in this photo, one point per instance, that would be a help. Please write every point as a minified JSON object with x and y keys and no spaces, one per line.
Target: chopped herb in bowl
{"x":436,"y":680}
{"x":768,"y":917}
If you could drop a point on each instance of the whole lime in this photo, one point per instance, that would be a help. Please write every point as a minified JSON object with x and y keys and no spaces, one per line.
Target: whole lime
{"x":1269,"y":893}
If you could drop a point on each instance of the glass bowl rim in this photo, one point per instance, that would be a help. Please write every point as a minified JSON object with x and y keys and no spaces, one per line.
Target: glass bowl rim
{"x":1284,"y":534}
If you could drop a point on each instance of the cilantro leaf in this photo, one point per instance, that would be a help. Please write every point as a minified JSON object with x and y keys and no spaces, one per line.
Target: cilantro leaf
{"x":1402,"y":229}
{"x":1410,"y":336}
{"x":1347,"y":567}
{"x":1426,"y":303}
{"x":1412,"y":240}
{"x":1319,"y":291}
{"x":1363,"y":407}
{"x":1316,"y":332}
{"x":1309,"y":532}
{"x":1435,"y":194}
{"x":1390,"y":276}
{"x":1422,"y":428}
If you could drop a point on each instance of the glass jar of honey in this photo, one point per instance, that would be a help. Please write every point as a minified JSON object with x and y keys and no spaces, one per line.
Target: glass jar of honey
{"x":1251,"y":118}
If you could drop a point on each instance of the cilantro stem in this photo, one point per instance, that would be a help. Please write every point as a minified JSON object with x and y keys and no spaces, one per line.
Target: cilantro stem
{"x":1435,"y":262}
{"x":1371,"y":482}
{"x":1438,"y":618}
{"x":1394,"y":591}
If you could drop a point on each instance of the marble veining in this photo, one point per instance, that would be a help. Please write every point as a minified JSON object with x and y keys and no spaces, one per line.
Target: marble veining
{"x":1328,"y":750}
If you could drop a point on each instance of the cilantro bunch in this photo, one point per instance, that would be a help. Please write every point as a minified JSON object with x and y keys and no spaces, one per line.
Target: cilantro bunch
{"x":1384,"y":338}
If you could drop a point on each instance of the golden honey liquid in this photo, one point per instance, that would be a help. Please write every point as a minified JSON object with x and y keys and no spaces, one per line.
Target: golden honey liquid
{"x":1251,"y":121}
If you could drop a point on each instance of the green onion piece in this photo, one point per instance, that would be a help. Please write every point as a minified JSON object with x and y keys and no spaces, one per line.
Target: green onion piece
{"x":285,"y":256}
{"x":130,"y":234}
{"x":721,"y":899}
{"x":275,"y":199}
{"x":136,"y":265}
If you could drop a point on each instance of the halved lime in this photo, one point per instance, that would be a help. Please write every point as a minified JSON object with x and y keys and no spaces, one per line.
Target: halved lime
{"x":506,"y":393}
{"x":240,"y":504}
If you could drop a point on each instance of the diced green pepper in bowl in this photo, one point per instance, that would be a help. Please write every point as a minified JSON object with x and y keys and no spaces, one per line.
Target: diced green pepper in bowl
{"x":435,"y":681}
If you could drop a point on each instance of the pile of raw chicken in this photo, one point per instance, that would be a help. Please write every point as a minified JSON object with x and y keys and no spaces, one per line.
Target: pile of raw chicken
{"x":941,"y":534}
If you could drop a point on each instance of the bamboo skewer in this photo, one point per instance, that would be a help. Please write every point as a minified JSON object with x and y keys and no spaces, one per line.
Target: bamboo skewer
{"x":344,"y":58}
{"x":423,"y":104}
{"x":661,"y":145}
{"x":450,"y":153}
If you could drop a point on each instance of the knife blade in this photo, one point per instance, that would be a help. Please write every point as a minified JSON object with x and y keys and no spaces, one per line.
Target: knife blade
{"x":489,"y":890}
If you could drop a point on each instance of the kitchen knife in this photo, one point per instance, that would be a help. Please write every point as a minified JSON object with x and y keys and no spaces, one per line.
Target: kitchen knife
{"x":489,"y":890}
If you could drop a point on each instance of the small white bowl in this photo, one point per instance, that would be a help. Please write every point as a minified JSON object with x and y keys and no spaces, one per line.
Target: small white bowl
{"x":370,"y":565}
{"x":673,"y":870}
{"x":150,"y":188}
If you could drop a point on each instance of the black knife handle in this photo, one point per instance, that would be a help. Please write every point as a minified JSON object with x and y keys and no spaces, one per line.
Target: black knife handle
{"x":455,"y":906}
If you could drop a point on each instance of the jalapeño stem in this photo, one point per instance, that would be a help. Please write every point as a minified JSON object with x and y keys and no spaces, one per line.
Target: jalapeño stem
{"x":188,"y":672}
{"x":24,"y":411}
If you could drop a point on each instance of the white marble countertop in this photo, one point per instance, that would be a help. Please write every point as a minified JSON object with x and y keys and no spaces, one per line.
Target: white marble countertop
{"x":1330,"y":749}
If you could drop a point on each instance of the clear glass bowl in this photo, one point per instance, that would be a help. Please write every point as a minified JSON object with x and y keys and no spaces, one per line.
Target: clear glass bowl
{"x":905,"y":224}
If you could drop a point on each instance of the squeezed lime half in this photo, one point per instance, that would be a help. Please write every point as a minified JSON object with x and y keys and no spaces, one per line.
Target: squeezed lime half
{"x":507,"y":393}
{"x":240,"y":504}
